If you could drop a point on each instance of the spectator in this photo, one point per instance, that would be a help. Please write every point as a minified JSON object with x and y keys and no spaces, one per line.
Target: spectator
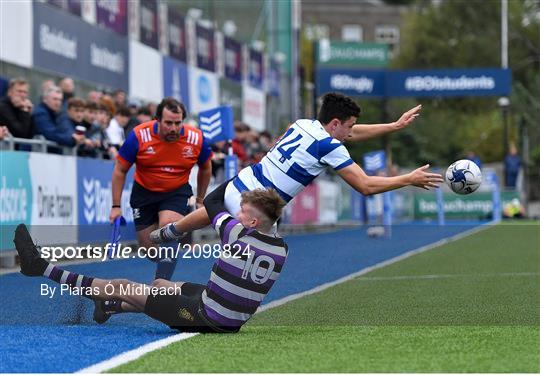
{"x":241,"y":131}
{"x":512,"y":165}
{"x":75,"y":112}
{"x":45,"y":86}
{"x":133,"y":109}
{"x":144,"y":115}
{"x":115,"y":130}
{"x":92,"y":131}
{"x":47,"y":120}
{"x":133,"y":106}
{"x":103,"y":118}
{"x":89,"y":119}
{"x":76,"y":108}
{"x":265,"y":140}
{"x":253,"y":148}
{"x":68,"y":89}
{"x":107,"y":101}
{"x":94,"y":96}
{"x":220,"y":150}
{"x":152,"y":107}
{"x":16,"y":109}
{"x":473,"y":157}
{"x":119,"y":98}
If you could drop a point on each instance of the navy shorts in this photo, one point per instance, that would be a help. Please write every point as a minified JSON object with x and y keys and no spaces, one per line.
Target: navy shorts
{"x":147,"y":204}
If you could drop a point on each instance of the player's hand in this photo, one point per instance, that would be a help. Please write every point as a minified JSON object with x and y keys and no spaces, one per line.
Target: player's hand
{"x":425,"y":180}
{"x":408,"y":117}
{"x":115,"y":212}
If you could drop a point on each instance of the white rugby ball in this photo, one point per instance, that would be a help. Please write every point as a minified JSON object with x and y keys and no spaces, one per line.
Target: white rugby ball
{"x":463,"y":176}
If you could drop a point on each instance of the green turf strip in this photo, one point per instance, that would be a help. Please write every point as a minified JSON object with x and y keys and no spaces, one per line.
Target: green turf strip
{"x":479,"y":311}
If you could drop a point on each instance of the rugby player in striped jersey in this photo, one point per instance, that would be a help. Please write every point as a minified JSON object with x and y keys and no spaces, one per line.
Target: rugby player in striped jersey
{"x":250,"y":262}
{"x":306,"y":149}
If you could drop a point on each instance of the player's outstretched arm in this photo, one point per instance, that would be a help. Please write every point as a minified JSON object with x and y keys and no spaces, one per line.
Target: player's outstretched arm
{"x":362,"y":132}
{"x":367,"y":185}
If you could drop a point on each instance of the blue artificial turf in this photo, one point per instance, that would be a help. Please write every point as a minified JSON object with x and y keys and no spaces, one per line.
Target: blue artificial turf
{"x":40,"y":334}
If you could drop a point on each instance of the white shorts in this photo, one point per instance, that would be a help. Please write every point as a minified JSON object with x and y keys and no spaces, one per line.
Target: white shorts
{"x":232,"y":199}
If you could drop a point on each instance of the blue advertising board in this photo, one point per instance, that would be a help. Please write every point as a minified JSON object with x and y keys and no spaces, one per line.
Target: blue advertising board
{"x":15,"y":195}
{"x":175,"y":80}
{"x":352,"y":82}
{"x":374,"y":161}
{"x":95,"y":201}
{"x":448,"y":82}
{"x":415,"y":83}
{"x":66,"y":44}
{"x":217,"y":124}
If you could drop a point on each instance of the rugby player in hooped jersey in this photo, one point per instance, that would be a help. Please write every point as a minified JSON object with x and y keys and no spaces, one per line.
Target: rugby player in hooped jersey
{"x":249,"y":263}
{"x":164,"y":152}
{"x":302,"y":153}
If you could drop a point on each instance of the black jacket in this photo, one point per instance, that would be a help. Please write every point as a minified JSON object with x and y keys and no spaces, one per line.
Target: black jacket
{"x":17,"y":121}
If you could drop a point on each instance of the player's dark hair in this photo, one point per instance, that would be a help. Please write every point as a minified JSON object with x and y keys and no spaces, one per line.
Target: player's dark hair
{"x":267,"y":201}
{"x":335,"y":105}
{"x":172,"y":105}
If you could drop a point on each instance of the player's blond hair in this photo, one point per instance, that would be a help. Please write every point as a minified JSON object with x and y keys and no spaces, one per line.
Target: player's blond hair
{"x":267,"y":201}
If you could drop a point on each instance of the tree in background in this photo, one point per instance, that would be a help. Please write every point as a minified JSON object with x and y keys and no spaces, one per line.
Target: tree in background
{"x":462,"y":34}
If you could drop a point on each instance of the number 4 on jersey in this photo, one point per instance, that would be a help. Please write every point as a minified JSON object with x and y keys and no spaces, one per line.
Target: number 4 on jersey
{"x":286,"y":154}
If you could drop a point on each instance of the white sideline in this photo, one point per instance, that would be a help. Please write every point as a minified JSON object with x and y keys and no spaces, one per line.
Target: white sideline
{"x":450,"y":276}
{"x":142,"y":350}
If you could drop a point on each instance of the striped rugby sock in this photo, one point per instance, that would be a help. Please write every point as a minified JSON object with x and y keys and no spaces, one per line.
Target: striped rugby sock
{"x":74,"y":280}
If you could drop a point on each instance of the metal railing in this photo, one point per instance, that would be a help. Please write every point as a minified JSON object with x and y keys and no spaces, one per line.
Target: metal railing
{"x":40,"y":144}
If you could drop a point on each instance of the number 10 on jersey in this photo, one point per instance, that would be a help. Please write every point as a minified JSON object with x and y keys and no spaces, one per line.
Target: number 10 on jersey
{"x":259,"y":268}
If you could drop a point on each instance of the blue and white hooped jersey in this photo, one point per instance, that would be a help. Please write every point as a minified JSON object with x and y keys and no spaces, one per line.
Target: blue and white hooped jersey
{"x":301,"y":154}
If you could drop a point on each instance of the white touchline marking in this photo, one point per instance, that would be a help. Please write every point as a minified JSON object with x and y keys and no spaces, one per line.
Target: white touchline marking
{"x":147,"y":348}
{"x":449,"y":276}
{"x":135,"y":353}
